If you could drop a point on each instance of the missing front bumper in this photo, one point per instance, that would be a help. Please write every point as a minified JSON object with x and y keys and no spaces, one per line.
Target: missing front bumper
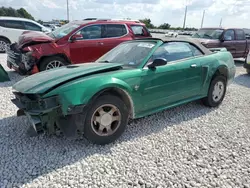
{"x":19,"y":61}
{"x":49,"y":118}
{"x":36,"y":124}
{"x":42,"y":114}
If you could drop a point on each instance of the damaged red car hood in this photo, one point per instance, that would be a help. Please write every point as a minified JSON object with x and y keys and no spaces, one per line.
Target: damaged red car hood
{"x":33,"y":37}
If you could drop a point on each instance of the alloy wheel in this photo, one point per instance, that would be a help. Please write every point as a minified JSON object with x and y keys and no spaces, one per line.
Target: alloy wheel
{"x":106,"y":120}
{"x":3,"y":46}
{"x":54,"y":64}
{"x":218,"y":91}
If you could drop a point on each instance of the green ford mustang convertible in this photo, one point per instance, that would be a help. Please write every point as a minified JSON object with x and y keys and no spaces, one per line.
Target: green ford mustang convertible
{"x":133,"y":80}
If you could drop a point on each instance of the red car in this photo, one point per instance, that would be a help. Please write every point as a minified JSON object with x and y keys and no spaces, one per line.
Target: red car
{"x":76,"y":42}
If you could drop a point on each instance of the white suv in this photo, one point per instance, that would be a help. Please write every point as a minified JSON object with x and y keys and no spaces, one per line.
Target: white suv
{"x":12,"y":27}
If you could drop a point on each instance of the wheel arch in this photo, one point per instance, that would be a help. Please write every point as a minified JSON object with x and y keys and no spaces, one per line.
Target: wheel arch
{"x":52,"y":55}
{"x":3,"y":37}
{"x":221,"y":70}
{"x":119,"y":92}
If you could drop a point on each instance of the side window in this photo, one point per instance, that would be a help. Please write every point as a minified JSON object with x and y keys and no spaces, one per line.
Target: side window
{"x":32,"y":26}
{"x":229,"y":35}
{"x":240,"y":34}
{"x":2,"y":23}
{"x":14,"y":24}
{"x":91,"y":32}
{"x":173,"y":51}
{"x":138,"y":30}
{"x":195,"y":50}
{"x":114,"y":30}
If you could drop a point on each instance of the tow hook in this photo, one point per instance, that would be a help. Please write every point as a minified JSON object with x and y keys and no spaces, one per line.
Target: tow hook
{"x":20,"y":112}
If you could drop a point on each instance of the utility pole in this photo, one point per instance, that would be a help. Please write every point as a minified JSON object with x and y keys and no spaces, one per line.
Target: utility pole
{"x":185,"y":18}
{"x":220,"y":22}
{"x":68,"y":10}
{"x":203,"y":18}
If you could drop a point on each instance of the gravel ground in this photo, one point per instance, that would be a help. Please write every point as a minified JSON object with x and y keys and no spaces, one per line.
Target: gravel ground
{"x":187,"y":146}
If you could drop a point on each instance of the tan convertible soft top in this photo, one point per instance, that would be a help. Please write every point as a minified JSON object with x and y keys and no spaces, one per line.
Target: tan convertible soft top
{"x":192,"y":41}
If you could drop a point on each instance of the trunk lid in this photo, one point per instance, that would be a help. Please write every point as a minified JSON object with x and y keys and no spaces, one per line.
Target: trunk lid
{"x":39,"y":83}
{"x":33,"y":37}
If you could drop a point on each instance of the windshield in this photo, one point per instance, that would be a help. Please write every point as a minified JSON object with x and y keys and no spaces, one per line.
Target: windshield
{"x":63,"y":31}
{"x":208,"y":33}
{"x":129,"y":54}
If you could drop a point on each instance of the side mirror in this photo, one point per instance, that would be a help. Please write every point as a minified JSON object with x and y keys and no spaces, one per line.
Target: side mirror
{"x":157,"y":62}
{"x":76,"y":37}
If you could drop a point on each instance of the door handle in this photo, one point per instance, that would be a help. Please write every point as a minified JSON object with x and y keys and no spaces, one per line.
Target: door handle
{"x":100,"y":43}
{"x":193,"y":65}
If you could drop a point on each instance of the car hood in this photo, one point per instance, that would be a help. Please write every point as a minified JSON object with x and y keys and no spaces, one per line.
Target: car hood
{"x":41,"y":82}
{"x":33,"y":37}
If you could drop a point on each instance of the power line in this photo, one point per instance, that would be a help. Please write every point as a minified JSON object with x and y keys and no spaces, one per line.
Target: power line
{"x":184,"y":24}
{"x":220,"y":22}
{"x":203,"y":18}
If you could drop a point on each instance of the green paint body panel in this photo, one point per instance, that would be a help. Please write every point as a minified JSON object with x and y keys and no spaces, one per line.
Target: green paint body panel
{"x":3,"y":75}
{"x":148,"y":90}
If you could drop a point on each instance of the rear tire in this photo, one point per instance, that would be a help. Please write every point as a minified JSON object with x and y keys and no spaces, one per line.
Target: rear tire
{"x":3,"y":44}
{"x":216,"y":92}
{"x":52,"y":62}
{"x":106,"y":120}
{"x":248,"y":71}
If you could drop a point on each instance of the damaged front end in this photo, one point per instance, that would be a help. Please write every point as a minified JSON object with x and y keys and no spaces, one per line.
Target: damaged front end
{"x":45,"y":115}
{"x":21,"y":60}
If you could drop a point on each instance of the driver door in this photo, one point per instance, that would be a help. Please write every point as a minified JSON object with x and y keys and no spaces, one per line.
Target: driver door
{"x":90,"y":46}
{"x":177,"y":81}
{"x":229,"y":41}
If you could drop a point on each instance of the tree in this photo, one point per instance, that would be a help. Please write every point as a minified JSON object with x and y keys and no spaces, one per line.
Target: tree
{"x":147,"y":22}
{"x":4,"y":11}
{"x":24,"y":14}
{"x":164,"y":26}
{"x":40,"y":22}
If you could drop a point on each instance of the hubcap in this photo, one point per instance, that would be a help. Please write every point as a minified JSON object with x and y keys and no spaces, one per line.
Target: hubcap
{"x":54,"y":64}
{"x":106,"y":120}
{"x":3,"y":46}
{"x":218,"y":91}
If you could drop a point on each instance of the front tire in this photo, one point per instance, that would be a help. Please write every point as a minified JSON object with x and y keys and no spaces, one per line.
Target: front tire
{"x":106,"y":120}
{"x":216,"y":92}
{"x":52,"y":62}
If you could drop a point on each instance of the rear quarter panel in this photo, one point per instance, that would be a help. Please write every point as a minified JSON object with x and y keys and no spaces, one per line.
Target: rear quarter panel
{"x":214,"y":62}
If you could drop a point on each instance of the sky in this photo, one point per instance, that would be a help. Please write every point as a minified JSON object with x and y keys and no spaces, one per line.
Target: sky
{"x":234,"y":13}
